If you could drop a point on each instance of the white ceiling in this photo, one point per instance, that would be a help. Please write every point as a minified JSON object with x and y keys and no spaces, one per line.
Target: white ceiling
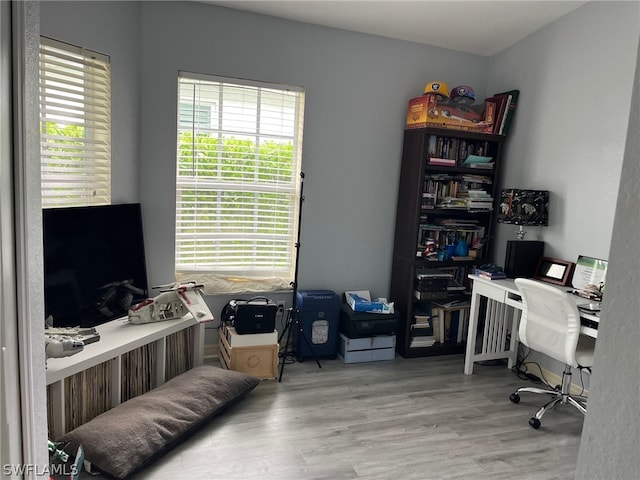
{"x":473,"y":26}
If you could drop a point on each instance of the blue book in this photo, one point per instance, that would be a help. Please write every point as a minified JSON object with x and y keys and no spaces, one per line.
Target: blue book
{"x":453,"y":329}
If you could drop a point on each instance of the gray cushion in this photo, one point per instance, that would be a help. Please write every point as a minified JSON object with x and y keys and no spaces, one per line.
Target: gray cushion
{"x":131,"y":435}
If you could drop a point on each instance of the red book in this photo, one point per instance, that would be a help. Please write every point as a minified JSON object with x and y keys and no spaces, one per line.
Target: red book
{"x":500,"y":101}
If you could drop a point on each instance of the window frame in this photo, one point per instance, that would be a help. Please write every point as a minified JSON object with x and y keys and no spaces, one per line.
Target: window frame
{"x":75,"y":125}
{"x":218,"y":272}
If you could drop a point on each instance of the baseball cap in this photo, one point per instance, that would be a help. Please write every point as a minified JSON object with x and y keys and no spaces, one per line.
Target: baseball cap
{"x":439,"y":88}
{"x":463,"y":93}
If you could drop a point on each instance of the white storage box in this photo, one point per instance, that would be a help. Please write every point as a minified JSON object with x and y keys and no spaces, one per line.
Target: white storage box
{"x":369,"y":349}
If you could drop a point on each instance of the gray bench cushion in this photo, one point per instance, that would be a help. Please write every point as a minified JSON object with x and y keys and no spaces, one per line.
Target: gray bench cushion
{"x":131,"y":435}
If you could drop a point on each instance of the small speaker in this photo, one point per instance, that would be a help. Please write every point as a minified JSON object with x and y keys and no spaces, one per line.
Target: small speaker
{"x":522,"y":257}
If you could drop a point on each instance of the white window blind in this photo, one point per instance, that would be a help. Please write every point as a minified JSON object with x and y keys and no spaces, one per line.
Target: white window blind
{"x":75,"y":125}
{"x":238,"y":183}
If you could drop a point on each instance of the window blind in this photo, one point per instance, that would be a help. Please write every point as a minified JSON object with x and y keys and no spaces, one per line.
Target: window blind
{"x":238,"y":182}
{"x":75,"y":125}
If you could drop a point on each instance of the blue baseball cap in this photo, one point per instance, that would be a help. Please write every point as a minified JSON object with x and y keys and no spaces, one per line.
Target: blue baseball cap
{"x":463,"y":93}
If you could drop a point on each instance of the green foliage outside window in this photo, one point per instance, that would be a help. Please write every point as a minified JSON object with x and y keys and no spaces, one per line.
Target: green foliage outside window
{"x":61,"y":136}
{"x":243,"y":194}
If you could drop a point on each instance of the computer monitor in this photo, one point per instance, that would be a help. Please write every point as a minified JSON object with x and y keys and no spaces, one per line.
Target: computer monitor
{"x":94,"y":263}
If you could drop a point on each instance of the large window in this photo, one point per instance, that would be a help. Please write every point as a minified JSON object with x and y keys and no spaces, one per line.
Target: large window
{"x":238,"y":182}
{"x":75,"y":125}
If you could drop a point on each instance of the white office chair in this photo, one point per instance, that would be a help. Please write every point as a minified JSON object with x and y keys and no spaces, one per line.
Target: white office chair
{"x":550,"y":324}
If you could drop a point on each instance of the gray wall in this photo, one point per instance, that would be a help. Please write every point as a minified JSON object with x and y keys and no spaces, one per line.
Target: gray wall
{"x":610,"y":437}
{"x":569,"y":132}
{"x":111,"y":28}
{"x":575,"y":78}
{"x":569,"y":137}
{"x":357,"y":87}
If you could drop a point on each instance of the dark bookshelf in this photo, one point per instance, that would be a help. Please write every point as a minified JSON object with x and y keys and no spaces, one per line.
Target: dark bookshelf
{"x":415,"y":223}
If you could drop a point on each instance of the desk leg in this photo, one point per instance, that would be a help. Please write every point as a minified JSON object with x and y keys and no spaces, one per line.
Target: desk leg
{"x":474,"y":311}
{"x":513,"y":344}
{"x":500,"y":320}
{"x":495,"y":331}
{"x":198,"y":344}
{"x":56,"y":392}
{"x":161,"y":361}
{"x":116,"y":381}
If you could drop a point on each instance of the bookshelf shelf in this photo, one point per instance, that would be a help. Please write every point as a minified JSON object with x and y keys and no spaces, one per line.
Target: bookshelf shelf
{"x":440,"y":205}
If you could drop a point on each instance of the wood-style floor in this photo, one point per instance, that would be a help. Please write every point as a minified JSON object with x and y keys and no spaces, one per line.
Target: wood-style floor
{"x":400,"y":419}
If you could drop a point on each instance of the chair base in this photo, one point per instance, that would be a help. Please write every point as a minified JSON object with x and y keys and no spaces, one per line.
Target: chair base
{"x":559,"y":395}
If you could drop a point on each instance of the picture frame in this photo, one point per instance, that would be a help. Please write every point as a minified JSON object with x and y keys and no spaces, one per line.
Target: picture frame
{"x":554,"y":270}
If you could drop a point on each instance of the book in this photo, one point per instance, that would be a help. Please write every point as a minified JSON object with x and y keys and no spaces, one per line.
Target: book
{"x":459,"y":302}
{"x":428,"y":201}
{"x":449,"y":162}
{"x":487,"y":166}
{"x":454,"y":286}
{"x":476,"y":159}
{"x":417,"y":342}
{"x":515,"y":94}
{"x":437,"y":323}
{"x":506,"y":113}
{"x":454,"y":321}
{"x":489,"y":113}
{"x":422,"y":329}
{"x":500,"y":101}
{"x":491,"y":275}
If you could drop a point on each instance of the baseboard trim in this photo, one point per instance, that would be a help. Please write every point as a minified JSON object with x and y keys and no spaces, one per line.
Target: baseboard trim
{"x":555,"y":379}
{"x":211,"y":351}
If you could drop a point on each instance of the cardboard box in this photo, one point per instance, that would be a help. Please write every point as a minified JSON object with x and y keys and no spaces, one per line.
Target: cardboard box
{"x":258,"y":360}
{"x":431,"y":111}
{"x":370,"y":349}
{"x":248,"y":339}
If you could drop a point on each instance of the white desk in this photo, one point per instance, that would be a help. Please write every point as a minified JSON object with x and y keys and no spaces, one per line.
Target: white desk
{"x":117,"y":338}
{"x":504,"y":306}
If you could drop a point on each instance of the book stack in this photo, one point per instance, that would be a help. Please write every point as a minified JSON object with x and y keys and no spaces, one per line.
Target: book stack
{"x":479,"y":161}
{"x":428,"y":201}
{"x":431,"y":284}
{"x":422,"y":331}
{"x":451,"y":202}
{"x":476,"y":199}
{"x":491,"y":272}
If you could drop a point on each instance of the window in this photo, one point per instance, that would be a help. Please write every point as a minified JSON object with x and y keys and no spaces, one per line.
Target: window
{"x":201,"y":117}
{"x":238,"y":183}
{"x":75,"y":125}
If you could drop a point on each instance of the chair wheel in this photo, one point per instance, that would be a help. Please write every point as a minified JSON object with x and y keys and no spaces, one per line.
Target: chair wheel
{"x":534,"y":422}
{"x":514,"y":397}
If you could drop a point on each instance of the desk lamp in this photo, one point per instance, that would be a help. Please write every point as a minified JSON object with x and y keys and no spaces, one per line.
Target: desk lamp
{"x":524,"y":208}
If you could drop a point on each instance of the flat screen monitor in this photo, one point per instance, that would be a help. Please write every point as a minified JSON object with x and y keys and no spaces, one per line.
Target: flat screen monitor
{"x":94,"y":263}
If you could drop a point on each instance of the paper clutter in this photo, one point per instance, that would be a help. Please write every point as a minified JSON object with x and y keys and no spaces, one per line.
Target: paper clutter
{"x":360,"y":301}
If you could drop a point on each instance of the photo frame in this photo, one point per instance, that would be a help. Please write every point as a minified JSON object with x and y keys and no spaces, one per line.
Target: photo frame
{"x":554,"y":270}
